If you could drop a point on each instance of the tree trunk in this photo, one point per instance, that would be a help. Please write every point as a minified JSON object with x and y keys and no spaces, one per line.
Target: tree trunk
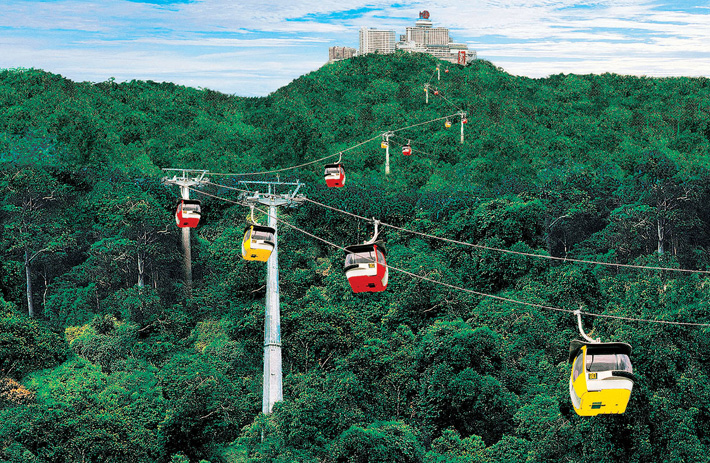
{"x":141,"y":270}
{"x":28,"y":273}
{"x":661,"y":234}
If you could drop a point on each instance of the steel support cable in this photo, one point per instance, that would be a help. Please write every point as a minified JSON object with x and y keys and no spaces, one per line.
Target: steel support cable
{"x":302,"y":165}
{"x":509,"y":251}
{"x":421,"y":123}
{"x":489,"y":248}
{"x":332,"y":155}
{"x":458,"y":288}
{"x":431,"y":76}
{"x":416,"y":142}
{"x":440,"y":95}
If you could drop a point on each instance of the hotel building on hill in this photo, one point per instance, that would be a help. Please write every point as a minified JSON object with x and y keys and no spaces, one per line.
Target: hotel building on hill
{"x":421,"y":38}
{"x":424,"y":38}
{"x":376,"y":41}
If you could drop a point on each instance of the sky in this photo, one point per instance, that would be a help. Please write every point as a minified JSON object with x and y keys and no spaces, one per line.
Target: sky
{"x":252,"y":48}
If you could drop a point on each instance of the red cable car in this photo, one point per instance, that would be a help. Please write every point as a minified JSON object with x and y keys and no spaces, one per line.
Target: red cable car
{"x":366,"y":267}
{"x":464,"y":121}
{"x":187,"y":214}
{"x":407,"y":150}
{"x":334,"y":175}
{"x":436,"y":92}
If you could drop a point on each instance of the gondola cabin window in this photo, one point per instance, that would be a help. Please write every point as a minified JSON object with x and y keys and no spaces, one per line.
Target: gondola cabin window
{"x":364,"y":258}
{"x":577,"y":369}
{"x":605,"y":362}
{"x":261,"y":235}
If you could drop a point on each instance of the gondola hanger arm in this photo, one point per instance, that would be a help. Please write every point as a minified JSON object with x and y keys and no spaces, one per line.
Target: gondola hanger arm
{"x":377,"y":231}
{"x":578,"y":313}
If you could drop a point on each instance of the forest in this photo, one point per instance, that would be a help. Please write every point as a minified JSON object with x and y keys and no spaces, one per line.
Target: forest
{"x":569,"y":192}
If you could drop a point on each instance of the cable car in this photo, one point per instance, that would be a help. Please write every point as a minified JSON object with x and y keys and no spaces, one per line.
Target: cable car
{"x":436,"y":92}
{"x":187,"y":214}
{"x":366,"y":267}
{"x":258,"y":242}
{"x":464,"y":121}
{"x":384,"y":144}
{"x":447,"y":124}
{"x":334,"y":175}
{"x":602,"y":377}
{"x":407,"y":150}
{"x":446,"y":70}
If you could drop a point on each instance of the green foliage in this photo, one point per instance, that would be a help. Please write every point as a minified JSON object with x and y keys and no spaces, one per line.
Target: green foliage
{"x":26,"y":345}
{"x":379,"y":442}
{"x":83,"y":413}
{"x":600,"y":167}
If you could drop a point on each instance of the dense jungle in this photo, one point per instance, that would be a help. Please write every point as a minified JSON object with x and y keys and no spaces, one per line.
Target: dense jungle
{"x":107,"y":356}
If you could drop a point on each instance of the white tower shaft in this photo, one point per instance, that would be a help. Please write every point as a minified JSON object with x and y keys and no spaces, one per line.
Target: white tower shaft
{"x":273,"y":389}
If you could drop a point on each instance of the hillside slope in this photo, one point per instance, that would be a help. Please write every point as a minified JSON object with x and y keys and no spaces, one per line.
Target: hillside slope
{"x":121,"y":363}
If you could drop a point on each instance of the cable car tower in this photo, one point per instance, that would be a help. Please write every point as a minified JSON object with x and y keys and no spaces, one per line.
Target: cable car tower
{"x":385,"y":143}
{"x":186,"y":179}
{"x":273,"y":375}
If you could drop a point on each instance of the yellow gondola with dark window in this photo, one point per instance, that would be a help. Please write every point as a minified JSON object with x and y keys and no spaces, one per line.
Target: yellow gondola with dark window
{"x":258,"y":242}
{"x":602,"y":377}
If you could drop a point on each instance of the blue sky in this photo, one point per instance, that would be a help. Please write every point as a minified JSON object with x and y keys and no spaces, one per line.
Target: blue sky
{"x":251,"y":48}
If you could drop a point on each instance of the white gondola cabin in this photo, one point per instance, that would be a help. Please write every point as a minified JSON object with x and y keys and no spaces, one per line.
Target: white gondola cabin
{"x":334,"y":175}
{"x":188,"y":213}
{"x":366,"y":267}
{"x":602,"y":377}
{"x":258,"y":242}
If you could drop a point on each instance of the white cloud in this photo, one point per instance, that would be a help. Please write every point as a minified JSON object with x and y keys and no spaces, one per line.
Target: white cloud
{"x":255,"y":46}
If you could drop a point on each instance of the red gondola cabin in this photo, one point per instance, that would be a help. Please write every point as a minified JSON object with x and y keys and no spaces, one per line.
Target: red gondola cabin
{"x":334,"y":175}
{"x":407,"y":150}
{"x":188,"y":213}
{"x":366,"y":268}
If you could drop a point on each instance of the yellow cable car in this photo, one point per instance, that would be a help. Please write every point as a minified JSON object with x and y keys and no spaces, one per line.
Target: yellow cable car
{"x":602,"y":377}
{"x":258,"y":242}
{"x":447,"y":124}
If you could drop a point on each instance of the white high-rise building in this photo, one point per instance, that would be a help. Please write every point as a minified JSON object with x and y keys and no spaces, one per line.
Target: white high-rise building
{"x":376,"y":41}
{"x":424,"y":38}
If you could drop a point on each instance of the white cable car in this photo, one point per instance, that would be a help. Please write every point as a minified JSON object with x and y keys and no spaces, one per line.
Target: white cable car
{"x":602,"y":377}
{"x":366,"y":267}
{"x":188,"y":212}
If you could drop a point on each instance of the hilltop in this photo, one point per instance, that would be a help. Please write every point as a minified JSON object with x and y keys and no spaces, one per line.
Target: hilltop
{"x":121,"y":363}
